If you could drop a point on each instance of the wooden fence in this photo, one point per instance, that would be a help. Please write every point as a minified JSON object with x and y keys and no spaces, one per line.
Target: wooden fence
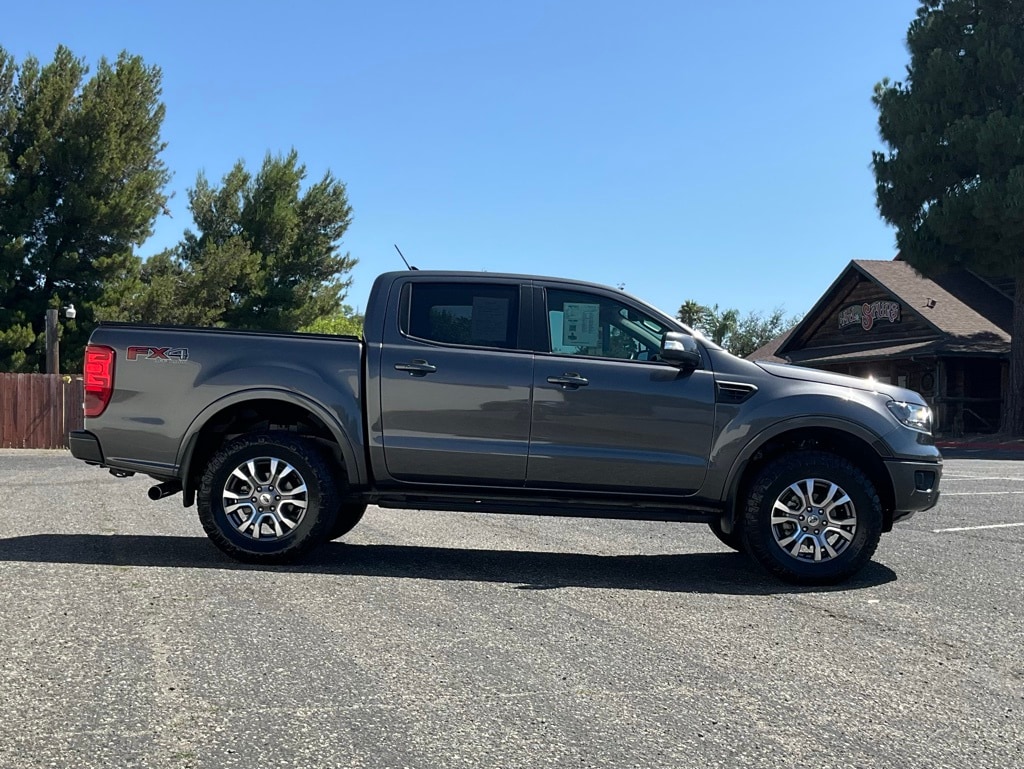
{"x":37,"y":411}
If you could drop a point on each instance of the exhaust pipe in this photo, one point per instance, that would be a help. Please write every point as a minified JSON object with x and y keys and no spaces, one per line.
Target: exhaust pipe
{"x":162,"y":490}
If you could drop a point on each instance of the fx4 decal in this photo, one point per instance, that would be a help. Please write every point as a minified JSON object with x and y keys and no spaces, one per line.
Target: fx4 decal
{"x":176,"y":354}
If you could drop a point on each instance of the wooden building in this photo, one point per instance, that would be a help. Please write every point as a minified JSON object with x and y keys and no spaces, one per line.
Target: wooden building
{"x":948,"y":338}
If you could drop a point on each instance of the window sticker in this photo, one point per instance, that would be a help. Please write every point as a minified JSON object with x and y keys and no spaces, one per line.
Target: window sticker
{"x":580,"y":324}
{"x":490,"y":319}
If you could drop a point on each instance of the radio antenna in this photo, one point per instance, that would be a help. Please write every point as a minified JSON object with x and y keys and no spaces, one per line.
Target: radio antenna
{"x":407,"y":265}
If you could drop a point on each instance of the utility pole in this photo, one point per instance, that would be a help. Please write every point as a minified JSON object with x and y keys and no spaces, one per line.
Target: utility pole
{"x":52,"y":343}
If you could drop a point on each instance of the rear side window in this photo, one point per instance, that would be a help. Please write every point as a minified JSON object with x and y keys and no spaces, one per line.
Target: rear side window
{"x":481,"y":315}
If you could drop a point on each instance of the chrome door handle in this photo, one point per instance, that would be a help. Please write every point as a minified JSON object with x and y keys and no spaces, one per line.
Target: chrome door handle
{"x":416,"y":368}
{"x":569,"y":381}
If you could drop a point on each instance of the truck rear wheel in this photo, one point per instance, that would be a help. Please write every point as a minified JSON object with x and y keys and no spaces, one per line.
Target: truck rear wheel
{"x":812,"y":518}
{"x":268,"y":498}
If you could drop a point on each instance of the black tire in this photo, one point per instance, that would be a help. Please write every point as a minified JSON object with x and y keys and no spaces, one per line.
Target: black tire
{"x":349,"y":514}
{"x":299,"y":504}
{"x":843,"y":539}
{"x":733,"y":539}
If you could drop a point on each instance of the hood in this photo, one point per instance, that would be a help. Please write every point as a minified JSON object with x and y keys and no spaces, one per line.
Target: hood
{"x":841,"y":380}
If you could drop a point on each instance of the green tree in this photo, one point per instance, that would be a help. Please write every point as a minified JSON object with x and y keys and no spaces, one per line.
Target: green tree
{"x":739,"y":335}
{"x":717,"y":325}
{"x":278,"y":242}
{"x":692,"y":313}
{"x":265,"y":254}
{"x":346,"y":322}
{"x":81,"y":183}
{"x":952,"y":180}
{"x":754,"y":330}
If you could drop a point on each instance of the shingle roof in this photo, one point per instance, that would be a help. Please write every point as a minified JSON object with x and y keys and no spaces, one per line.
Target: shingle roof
{"x":956,"y":303}
{"x":928,"y":347}
{"x":767,"y":352}
{"x":968,"y":313}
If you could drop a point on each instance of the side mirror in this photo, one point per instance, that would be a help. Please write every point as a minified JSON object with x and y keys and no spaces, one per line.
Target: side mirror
{"x":680,"y":350}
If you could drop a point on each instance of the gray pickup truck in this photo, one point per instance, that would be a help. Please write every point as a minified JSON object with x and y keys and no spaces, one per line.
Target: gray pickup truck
{"x":506,"y":394}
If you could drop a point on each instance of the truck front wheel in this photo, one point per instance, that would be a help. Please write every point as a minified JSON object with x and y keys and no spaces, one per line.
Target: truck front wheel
{"x":812,"y":518}
{"x":268,"y":498}
{"x":733,"y":539}
{"x":349,"y":514}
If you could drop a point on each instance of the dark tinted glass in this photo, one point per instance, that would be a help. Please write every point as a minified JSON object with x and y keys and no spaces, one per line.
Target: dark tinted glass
{"x":464,"y":313}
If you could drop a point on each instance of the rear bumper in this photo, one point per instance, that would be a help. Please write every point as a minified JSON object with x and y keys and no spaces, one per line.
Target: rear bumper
{"x":85,"y":446}
{"x":915,"y":486}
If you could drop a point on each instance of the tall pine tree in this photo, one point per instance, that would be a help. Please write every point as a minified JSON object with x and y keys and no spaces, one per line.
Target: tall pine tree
{"x":952,"y":181}
{"x":81,"y":183}
{"x":264,"y":254}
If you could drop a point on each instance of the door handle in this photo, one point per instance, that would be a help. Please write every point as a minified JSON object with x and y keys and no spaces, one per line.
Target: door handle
{"x":416,"y":368}
{"x":569,"y":381}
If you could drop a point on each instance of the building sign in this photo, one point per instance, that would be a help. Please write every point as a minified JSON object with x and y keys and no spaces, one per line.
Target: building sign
{"x":867,"y":314}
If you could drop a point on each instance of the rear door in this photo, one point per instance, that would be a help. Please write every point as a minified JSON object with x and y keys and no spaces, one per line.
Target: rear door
{"x":455,"y":383}
{"x":607,"y":415}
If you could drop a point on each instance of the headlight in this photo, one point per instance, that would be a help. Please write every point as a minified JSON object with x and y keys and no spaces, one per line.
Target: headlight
{"x":912,"y":415}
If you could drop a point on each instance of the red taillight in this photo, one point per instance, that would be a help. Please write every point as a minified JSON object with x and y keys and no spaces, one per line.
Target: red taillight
{"x":99,"y":378}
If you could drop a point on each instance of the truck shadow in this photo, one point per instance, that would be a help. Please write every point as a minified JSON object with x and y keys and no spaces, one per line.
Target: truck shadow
{"x":719,"y":572}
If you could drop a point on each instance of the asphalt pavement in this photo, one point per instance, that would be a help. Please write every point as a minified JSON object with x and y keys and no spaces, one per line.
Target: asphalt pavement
{"x":454,"y":640}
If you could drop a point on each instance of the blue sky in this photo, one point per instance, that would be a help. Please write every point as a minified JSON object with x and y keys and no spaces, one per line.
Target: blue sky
{"x":717,"y":151}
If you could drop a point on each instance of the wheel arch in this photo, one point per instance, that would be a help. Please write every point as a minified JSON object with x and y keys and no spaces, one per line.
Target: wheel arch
{"x":844,"y":439}
{"x":258,"y":410}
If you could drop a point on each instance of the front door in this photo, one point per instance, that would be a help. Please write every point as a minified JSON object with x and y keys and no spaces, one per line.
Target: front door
{"x":607,"y":414}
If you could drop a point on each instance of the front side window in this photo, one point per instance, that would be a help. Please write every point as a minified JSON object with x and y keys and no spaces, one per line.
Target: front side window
{"x":588,"y":324}
{"x":480,"y":315}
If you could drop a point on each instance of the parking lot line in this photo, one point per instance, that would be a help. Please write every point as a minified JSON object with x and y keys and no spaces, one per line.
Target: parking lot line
{"x":977,"y":493}
{"x":981,"y":478}
{"x":975,"y":528}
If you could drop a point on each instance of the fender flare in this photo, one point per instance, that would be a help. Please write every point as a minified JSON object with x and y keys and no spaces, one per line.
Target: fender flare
{"x":739,"y":464}
{"x":186,"y":448}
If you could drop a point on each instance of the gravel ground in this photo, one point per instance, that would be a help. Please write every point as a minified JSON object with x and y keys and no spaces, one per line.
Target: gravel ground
{"x":453,"y":640}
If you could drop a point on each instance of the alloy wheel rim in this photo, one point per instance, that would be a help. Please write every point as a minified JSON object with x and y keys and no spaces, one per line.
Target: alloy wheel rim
{"x":265,"y":498}
{"x":814,"y":520}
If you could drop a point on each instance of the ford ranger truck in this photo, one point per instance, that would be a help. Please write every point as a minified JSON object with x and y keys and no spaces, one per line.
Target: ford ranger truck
{"x":516,"y":394}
